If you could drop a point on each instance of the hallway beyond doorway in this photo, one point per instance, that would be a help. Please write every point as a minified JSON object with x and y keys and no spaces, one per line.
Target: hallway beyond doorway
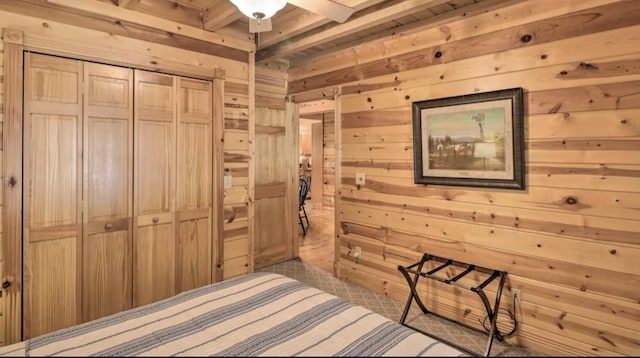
{"x":317,"y":248}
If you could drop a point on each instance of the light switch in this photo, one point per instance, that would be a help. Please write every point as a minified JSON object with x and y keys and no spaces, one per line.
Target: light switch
{"x":359,"y":178}
{"x":228,"y":181}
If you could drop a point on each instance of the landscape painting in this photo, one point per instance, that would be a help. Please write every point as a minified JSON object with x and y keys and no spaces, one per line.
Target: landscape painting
{"x":474,"y":140}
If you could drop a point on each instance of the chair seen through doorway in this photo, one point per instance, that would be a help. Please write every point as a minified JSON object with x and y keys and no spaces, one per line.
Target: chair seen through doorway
{"x":305,"y":182}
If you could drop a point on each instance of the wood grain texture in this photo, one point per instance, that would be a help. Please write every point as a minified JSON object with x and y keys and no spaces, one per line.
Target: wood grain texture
{"x":458,"y":40}
{"x":329,"y":160}
{"x":154,"y":243}
{"x":102,"y":17}
{"x":107,"y":191}
{"x":12,"y":162}
{"x":569,"y":242}
{"x":59,"y":38}
{"x":194,"y":184}
{"x":53,"y":206}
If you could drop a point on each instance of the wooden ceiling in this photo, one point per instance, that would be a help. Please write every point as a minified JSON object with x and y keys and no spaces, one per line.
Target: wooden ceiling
{"x":297,"y":36}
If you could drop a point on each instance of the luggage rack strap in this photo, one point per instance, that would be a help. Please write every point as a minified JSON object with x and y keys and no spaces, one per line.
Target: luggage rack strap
{"x":416,"y":270}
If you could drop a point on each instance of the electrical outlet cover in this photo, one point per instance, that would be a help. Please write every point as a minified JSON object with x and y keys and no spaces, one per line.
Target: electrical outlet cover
{"x":359,"y":178}
{"x":228,"y":181}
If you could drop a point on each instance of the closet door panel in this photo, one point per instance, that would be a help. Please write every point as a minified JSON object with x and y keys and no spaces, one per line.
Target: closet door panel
{"x":53,"y":297}
{"x":194,"y":254}
{"x":155,"y":167}
{"x":194,"y":192}
{"x":154,"y":262}
{"x":108,"y":161}
{"x":52,"y":199}
{"x":154,"y":257}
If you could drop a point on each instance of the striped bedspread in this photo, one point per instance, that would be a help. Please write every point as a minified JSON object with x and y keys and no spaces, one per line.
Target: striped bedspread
{"x":260,"y":314}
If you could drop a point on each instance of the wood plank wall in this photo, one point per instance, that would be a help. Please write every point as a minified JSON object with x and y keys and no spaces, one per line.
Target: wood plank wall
{"x":2,"y":261}
{"x":329,"y":161}
{"x":59,"y":37}
{"x":576,"y":263}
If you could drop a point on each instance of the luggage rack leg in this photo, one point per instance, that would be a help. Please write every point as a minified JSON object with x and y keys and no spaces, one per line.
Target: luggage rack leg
{"x":492,"y":313}
{"x":412,"y":287}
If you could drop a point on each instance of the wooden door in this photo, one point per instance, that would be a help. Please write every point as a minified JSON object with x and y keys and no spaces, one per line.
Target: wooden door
{"x":154,"y":258}
{"x":108,"y":165}
{"x":52,"y":217}
{"x":194,"y":192}
{"x":276,"y":185}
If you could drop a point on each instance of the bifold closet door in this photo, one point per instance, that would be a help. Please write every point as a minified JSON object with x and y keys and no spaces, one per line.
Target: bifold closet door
{"x":52,"y":217}
{"x":154,"y":254}
{"x":194,"y":192}
{"x":108,"y":176}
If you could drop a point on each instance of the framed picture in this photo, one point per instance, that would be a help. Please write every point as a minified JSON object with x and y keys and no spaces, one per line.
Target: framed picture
{"x":470,"y":140}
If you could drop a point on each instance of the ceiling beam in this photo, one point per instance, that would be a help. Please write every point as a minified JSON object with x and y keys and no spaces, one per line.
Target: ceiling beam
{"x":128,"y":4}
{"x":219,"y":14}
{"x":362,"y":23}
{"x":299,"y":21}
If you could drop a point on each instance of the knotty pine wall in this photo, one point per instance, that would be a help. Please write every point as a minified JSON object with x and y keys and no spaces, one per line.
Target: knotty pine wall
{"x":576,"y":264}
{"x":329,"y":160}
{"x":2,"y":260}
{"x":58,"y":37}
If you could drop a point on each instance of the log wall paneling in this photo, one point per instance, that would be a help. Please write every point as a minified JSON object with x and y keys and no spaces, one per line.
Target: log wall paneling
{"x":238,"y":206}
{"x":569,"y":242}
{"x":217,"y":180}
{"x":12,"y":161}
{"x":329,"y":160}
{"x":317,"y":167}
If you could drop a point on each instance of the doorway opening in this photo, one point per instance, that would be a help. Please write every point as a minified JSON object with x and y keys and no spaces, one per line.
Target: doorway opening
{"x":317,"y":161}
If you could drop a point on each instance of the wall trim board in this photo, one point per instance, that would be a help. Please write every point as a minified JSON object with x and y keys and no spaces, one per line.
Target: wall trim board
{"x":217,"y":259}
{"x":116,"y":20}
{"x":12,"y":184}
{"x":337,"y":159}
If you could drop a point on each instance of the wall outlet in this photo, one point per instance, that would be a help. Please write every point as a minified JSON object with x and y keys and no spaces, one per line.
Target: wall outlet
{"x":359,"y":178}
{"x":357,"y":252}
{"x":228,"y":181}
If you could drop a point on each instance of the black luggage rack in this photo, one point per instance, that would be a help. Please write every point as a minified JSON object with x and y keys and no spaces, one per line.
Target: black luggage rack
{"x":492,"y":313}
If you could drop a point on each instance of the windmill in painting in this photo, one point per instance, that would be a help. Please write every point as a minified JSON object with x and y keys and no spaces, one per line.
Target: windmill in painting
{"x":467,"y":140}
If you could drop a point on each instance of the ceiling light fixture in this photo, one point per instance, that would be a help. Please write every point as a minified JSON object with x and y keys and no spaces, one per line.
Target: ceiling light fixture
{"x":259,"y":9}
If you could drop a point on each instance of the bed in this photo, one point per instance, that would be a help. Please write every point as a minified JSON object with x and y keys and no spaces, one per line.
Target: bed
{"x":259,"y":314}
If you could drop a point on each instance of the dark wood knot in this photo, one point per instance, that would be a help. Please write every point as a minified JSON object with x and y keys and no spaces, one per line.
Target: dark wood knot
{"x":13,"y":181}
{"x":571,"y":200}
{"x":526,"y":38}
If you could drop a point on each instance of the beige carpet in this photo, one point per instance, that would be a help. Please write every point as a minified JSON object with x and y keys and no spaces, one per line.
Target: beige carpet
{"x":392,"y":309}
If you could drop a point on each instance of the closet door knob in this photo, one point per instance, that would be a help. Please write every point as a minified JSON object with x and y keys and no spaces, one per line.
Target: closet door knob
{"x":108,"y":226}
{"x":156,"y":219}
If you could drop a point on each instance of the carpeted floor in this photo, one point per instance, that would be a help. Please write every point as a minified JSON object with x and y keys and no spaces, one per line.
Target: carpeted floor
{"x":392,"y":309}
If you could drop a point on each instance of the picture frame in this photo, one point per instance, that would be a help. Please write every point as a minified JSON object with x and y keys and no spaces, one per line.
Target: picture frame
{"x":474,"y":140}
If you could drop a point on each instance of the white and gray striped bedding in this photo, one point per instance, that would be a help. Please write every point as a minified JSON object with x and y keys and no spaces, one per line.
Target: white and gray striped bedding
{"x":259,"y":314}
